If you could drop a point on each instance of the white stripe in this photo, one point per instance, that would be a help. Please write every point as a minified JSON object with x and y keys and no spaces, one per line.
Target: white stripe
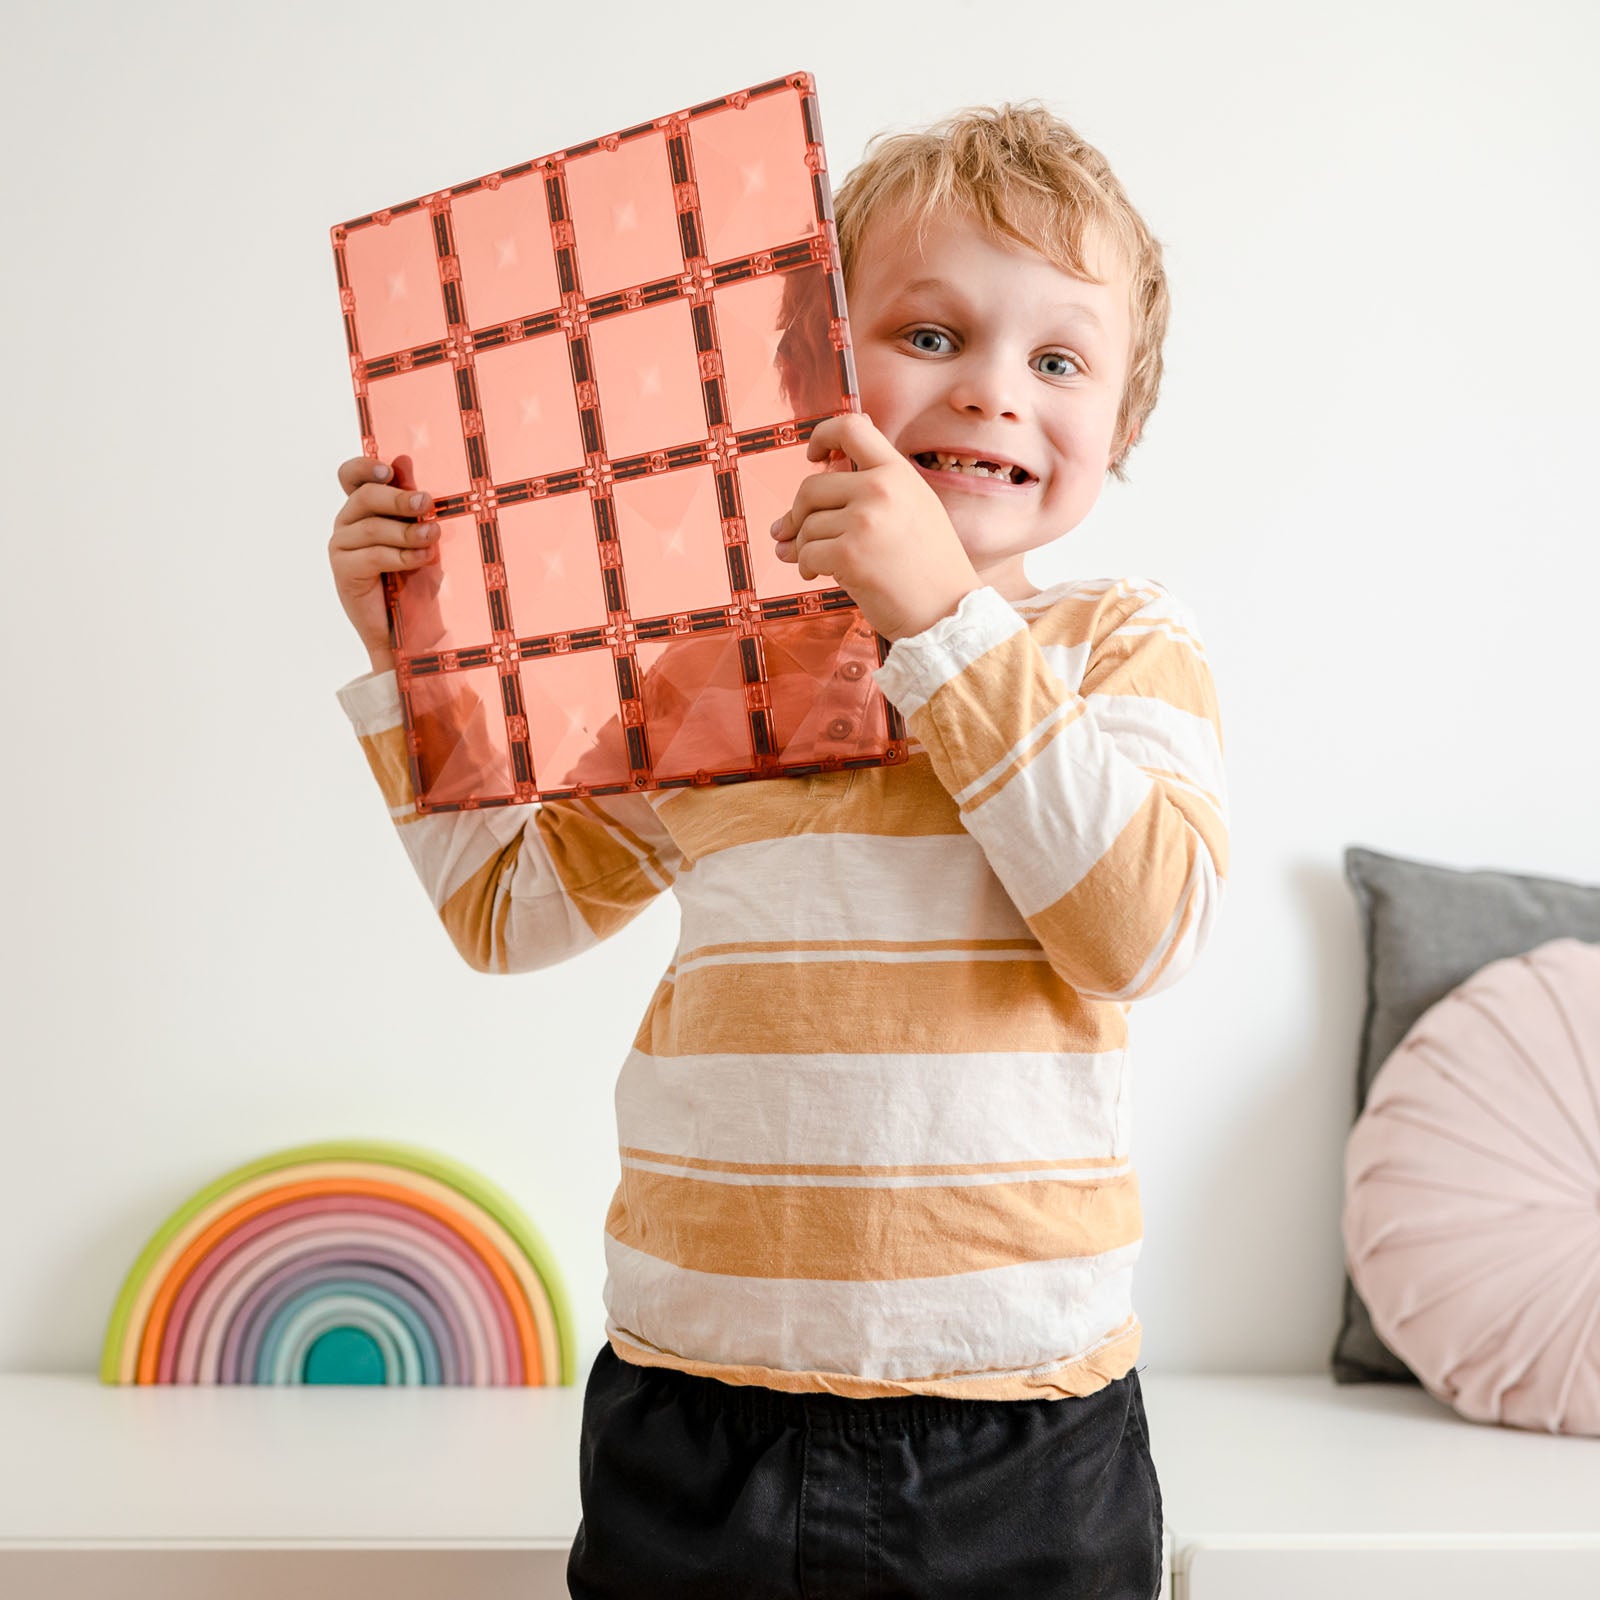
{"x":788,"y":956}
{"x":985,"y":1325}
{"x":1045,"y":829}
{"x":877,"y":1110}
{"x":1154,"y":733}
{"x":924,"y":1180}
{"x":1067,"y":661}
{"x":811,"y":886}
{"x":920,"y":664}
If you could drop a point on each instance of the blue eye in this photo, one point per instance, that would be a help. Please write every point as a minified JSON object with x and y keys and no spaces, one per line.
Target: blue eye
{"x":1061,"y":372}
{"x":926,"y":333}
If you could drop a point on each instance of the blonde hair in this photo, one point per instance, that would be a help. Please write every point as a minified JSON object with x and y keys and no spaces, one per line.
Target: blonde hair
{"x":1027,"y":179}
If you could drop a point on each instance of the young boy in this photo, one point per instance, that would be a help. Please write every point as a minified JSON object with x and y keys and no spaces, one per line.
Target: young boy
{"x":868,"y":1296}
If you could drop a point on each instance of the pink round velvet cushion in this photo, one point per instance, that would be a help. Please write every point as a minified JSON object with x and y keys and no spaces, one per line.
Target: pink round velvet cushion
{"x":1472,"y":1193}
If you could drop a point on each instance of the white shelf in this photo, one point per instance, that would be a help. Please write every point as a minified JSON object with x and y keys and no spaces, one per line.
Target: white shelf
{"x":1270,"y":1484}
{"x":1278,"y":1486}
{"x":1303,"y":1456}
{"x":88,"y":1465}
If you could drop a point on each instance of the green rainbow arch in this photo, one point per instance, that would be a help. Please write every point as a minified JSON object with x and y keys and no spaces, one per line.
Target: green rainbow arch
{"x":352,"y":1261}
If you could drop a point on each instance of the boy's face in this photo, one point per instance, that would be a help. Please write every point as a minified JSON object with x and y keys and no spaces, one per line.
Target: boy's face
{"x":968,"y":348}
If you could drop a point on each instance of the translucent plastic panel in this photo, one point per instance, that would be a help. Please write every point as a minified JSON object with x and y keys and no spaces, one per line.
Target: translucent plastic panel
{"x":669,"y":569}
{"x":649,"y":379}
{"x":417,"y":415}
{"x":552,"y":570}
{"x":458,"y":736}
{"x":503,"y":241}
{"x":824,"y":702}
{"x":815,"y":689}
{"x":767,"y":483}
{"x":574,"y":739}
{"x":397,"y":270}
{"x":603,"y":364}
{"x":623,"y":215}
{"x":753,"y":195}
{"x":695,"y":707}
{"x":446,"y":600}
{"x":530,"y":418}
{"x":776,"y":360}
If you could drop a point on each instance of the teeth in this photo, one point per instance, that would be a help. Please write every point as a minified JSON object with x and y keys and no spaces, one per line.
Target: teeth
{"x":949,"y":463}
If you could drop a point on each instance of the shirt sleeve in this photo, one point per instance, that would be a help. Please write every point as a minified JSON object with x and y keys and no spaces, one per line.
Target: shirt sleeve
{"x":1102,"y":810}
{"x":516,"y":887}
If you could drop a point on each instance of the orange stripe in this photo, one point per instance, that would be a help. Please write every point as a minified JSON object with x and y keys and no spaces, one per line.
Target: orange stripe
{"x":1015,"y":675}
{"x":476,"y":929}
{"x":1157,"y":667}
{"x":866,"y":1007}
{"x":602,"y":877}
{"x":958,"y":718}
{"x":155,"y":1327}
{"x":1118,"y":911}
{"x":1071,"y":1379}
{"x":813,"y":1231}
{"x":391,"y":765}
{"x":904,"y":802}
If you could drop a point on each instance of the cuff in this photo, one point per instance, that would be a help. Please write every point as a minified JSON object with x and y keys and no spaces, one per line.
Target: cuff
{"x":372,"y":702}
{"x":922,"y":663}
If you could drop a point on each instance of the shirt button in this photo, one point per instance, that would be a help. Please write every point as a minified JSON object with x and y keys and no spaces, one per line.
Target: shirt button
{"x":851,"y":670}
{"x":840,"y":728}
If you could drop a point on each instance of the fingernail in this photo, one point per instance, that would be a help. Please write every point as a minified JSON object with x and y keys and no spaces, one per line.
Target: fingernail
{"x":416,"y":501}
{"x":775,"y":526}
{"x":381,"y":472}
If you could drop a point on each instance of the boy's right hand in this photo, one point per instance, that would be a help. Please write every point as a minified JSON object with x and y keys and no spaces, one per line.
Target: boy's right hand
{"x":377,"y":530}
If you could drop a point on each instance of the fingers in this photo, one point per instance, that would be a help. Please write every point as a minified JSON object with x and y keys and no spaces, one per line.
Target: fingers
{"x":362,"y":469}
{"x":856,"y":435}
{"x":395,"y":547}
{"x":814,"y":548}
{"x":367,"y":492}
{"x":867,"y":491}
{"x":374,"y":510}
{"x":821,"y":491}
{"x":352,"y":531}
{"x":381,"y":527}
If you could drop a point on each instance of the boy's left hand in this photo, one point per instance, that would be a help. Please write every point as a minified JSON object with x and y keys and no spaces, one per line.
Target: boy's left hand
{"x":880,"y":531}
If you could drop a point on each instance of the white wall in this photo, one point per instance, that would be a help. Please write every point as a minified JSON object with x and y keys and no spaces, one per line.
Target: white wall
{"x":1365,"y":475}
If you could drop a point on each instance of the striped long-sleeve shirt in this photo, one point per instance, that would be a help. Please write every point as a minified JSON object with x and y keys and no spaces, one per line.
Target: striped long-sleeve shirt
{"x":874,"y":1126}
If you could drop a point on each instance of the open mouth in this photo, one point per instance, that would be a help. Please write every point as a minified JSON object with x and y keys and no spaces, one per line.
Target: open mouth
{"x":973,"y":466}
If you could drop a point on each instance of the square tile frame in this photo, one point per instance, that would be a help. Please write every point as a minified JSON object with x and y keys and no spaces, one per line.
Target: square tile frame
{"x":745,"y":173}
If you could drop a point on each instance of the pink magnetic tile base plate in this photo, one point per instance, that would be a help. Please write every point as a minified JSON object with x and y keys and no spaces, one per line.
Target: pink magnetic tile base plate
{"x":604,"y":364}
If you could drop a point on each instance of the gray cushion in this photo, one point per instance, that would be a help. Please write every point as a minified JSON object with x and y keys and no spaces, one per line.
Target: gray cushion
{"x":1427,"y":929}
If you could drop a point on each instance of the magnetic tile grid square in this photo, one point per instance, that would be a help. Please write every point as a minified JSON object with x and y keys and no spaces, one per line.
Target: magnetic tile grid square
{"x":604,"y":364}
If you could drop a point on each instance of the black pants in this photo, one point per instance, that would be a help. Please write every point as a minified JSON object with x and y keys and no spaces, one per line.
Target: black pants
{"x":695,"y":1488}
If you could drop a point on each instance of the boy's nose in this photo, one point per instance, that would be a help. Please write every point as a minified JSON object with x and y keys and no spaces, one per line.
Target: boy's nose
{"x":983,"y":388}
